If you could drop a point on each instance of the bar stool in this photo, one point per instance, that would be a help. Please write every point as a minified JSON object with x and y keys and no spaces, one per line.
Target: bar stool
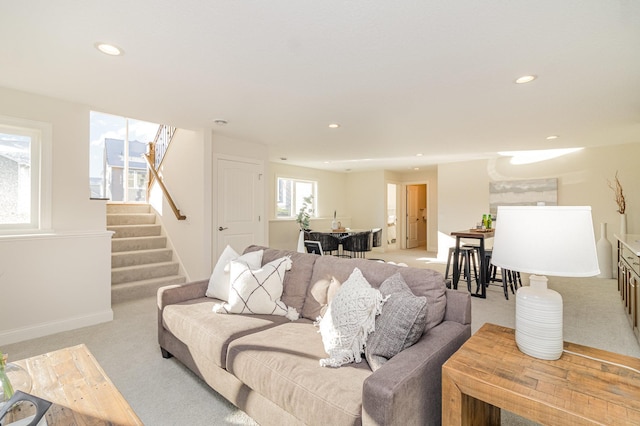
{"x":466,"y":259}
{"x":508,"y":278}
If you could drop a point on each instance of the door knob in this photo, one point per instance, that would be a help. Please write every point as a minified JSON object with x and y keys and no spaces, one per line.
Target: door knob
{"x":220,"y":228}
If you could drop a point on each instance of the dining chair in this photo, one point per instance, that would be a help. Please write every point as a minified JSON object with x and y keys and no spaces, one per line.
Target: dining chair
{"x":313,"y":247}
{"x":329,"y":242}
{"x":358,"y":244}
{"x":377,"y":237}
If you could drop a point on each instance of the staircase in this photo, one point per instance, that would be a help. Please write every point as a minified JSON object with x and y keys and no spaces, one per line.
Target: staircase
{"x":140,"y":260}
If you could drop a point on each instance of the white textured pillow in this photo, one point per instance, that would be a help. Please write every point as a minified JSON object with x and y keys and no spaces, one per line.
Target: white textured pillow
{"x":219,"y":282}
{"x":257,"y":291}
{"x":349,"y":320}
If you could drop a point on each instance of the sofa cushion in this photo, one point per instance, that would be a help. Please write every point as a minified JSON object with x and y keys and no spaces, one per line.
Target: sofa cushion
{"x":399,"y":325}
{"x":349,"y":320}
{"x":194,"y":323}
{"x":422,"y":282}
{"x":281,"y":363}
{"x":219,"y":281}
{"x":297,"y":279}
{"x":257,"y":291}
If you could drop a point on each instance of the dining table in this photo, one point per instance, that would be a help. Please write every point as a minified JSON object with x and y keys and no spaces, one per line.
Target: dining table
{"x":481,"y":235}
{"x":341,"y":234}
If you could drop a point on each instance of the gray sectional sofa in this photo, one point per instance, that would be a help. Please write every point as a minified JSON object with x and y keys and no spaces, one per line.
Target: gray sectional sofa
{"x":268,"y":366}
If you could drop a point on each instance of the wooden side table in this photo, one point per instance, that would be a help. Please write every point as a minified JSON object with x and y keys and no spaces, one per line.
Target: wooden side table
{"x":79,"y":389}
{"x":489,"y":373}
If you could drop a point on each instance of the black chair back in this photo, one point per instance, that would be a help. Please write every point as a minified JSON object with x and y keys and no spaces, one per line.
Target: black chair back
{"x":377,"y":237}
{"x":358,"y":244}
{"x":329,"y":242}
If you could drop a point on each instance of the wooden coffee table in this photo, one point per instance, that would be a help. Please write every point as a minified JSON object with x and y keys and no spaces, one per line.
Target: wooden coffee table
{"x":489,"y":372}
{"x":79,"y":389}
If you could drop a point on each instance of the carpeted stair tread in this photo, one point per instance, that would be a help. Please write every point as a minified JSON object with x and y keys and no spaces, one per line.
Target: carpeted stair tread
{"x":140,"y":257}
{"x":137,"y":243}
{"x":115,"y":219}
{"x":127,"y":231}
{"x":113,"y":208}
{"x":141,"y":272}
{"x":143,"y":288}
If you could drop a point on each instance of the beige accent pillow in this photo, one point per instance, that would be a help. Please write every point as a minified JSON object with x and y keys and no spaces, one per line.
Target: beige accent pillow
{"x":323,"y":291}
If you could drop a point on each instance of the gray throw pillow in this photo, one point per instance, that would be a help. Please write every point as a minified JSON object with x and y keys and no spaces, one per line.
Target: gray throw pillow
{"x":399,"y":325}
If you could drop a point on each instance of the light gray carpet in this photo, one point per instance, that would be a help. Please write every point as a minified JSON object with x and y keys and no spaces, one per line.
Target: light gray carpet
{"x":163,"y":392}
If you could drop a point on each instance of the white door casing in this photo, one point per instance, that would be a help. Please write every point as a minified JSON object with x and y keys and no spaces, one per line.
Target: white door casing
{"x":240,"y":205}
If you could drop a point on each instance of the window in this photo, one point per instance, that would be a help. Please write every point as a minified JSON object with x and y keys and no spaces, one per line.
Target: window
{"x":25,"y":184}
{"x":291,"y":194}
{"x":112,"y":174}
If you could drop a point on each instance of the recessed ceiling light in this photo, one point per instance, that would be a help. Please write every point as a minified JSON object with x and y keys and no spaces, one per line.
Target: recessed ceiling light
{"x":416,"y":168}
{"x":334,"y":125}
{"x":526,"y":79}
{"x":109,"y":49}
{"x":418,"y":155}
{"x":552,"y":137}
{"x":220,"y":121}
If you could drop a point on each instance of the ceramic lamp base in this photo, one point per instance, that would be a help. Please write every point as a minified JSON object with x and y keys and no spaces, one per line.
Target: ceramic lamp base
{"x":539,"y":320}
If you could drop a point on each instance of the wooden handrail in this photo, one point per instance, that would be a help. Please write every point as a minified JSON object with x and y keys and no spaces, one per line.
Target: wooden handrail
{"x":153,"y":171}
{"x":163,"y":138}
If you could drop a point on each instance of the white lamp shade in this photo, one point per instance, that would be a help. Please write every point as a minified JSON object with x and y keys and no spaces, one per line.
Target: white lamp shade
{"x":546,"y":240}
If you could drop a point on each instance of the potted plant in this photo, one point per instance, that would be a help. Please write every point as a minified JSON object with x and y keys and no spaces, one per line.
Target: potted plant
{"x":304,"y":215}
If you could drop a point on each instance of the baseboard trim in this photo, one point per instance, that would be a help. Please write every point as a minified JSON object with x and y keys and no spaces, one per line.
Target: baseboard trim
{"x":51,"y":327}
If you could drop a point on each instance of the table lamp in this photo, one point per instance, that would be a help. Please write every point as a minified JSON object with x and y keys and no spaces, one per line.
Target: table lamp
{"x":543,"y":240}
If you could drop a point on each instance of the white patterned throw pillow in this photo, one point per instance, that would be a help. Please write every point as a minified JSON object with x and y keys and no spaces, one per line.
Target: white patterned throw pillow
{"x":257,"y":291}
{"x":349,"y":320}
{"x":219,"y":282}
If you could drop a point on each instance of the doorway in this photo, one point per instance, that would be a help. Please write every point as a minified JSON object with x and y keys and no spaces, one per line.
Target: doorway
{"x":392,"y":216}
{"x":416,"y":215}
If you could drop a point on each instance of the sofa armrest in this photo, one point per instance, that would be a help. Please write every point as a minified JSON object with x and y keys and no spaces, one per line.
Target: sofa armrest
{"x":177,"y":293}
{"x":407,"y":389}
{"x":458,"y":307}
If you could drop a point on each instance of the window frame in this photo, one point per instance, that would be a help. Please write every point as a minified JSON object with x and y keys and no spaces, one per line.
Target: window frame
{"x":40,"y":173}
{"x":294,"y":213}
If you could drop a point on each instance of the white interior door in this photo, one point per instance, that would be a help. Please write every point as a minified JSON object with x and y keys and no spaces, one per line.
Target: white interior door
{"x":413,"y":216}
{"x":240,"y":209}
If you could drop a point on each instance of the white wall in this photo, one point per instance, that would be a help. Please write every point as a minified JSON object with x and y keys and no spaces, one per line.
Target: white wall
{"x":61,"y":281}
{"x":582,"y":180}
{"x":366,"y":199}
{"x":182,"y":173}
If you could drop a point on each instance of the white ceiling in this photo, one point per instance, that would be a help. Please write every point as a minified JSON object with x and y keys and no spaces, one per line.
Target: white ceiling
{"x":401,"y":77}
